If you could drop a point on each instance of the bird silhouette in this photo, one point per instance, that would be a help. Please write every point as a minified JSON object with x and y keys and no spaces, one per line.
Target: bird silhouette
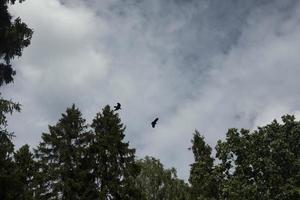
{"x":117,"y":107}
{"x":154,"y":122}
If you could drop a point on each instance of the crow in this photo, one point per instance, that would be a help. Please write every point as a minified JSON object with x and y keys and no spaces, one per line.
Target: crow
{"x":154,"y":122}
{"x":117,"y":107}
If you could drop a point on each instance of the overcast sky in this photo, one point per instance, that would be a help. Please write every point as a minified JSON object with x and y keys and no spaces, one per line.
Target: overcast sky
{"x":196,"y":64}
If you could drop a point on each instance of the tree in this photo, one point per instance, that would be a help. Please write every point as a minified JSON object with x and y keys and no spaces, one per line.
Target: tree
{"x":158,"y":183}
{"x":202,"y":178}
{"x":9,"y":185}
{"x":7,"y":168}
{"x":264,"y":164}
{"x":25,"y":172}
{"x":114,"y":162}
{"x":14,"y":36}
{"x":61,"y":157}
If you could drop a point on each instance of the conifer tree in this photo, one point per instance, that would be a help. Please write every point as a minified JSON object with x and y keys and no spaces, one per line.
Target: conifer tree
{"x":8,"y":179}
{"x":14,"y":36}
{"x":25,"y":172}
{"x":9,"y":185}
{"x":114,"y":162}
{"x":61,"y":157}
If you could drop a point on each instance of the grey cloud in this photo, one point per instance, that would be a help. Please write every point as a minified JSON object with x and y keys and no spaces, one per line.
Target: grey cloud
{"x":209,"y":65}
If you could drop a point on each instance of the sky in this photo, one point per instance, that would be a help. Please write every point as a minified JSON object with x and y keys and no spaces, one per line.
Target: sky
{"x":208,"y":65}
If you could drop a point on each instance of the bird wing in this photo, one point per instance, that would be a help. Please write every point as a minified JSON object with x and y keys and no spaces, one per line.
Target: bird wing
{"x":153,"y":124}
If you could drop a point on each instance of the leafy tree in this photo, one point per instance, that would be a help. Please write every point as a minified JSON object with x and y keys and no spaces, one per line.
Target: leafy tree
{"x":61,"y":157}
{"x":202,"y":178}
{"x":158,"y":183}
{"x":264,"y":164}
{"x":114,"y":162}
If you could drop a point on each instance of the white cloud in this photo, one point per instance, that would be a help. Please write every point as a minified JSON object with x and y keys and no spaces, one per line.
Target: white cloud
{"x":179,"y":61}
{"x":254,"y":83}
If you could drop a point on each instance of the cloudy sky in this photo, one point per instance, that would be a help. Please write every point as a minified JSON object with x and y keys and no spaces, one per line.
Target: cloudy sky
{"x":196,"y":64}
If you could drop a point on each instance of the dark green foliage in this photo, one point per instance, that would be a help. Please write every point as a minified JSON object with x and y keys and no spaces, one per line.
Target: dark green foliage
{"x":9,"y":184}
{"x":6,"y":107}
{"x":14,"y":36}
{"x":202,"y":179}
{"x":114,"y":164}
{"x":7,"y":166}
{"x":76,"y":163}
{"x":158,"y":183}
{"x":61,"y":157}
{"x":16,"y":171}
{"x":264,"y":164}
{"x":26,"y":169}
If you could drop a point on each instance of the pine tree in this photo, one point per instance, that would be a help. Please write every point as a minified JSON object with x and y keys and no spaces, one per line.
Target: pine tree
{"x":14,"y":36}
{"x":8,"y":180}
{"x":25,"y":172}
{"x":114,"y":161}
{"x":9,"y":186}
{"x":62,"y":156}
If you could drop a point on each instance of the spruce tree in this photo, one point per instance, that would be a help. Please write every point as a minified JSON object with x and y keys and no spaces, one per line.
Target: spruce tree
{"x":62,"y":161}
{"x":25,"y":172}
{"x":14,"y":36}
{"x":114,"y":162}
{"x":9,"y":186}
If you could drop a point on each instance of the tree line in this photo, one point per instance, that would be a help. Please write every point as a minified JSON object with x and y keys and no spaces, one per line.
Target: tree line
{"x":78,"y":160}
{"x":75,"y":160}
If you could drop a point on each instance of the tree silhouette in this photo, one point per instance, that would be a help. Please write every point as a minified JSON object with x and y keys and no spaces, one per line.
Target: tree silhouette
{"x":14,"y":36}
{"x":26,"y":168}
{"x":202,"y":180}
{"x":61,"y":156}
{"x":114,"y":162}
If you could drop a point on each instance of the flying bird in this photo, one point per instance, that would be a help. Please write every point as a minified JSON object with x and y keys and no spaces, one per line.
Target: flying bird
{"x":154,"y":122}
{"x":117,"y":107}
